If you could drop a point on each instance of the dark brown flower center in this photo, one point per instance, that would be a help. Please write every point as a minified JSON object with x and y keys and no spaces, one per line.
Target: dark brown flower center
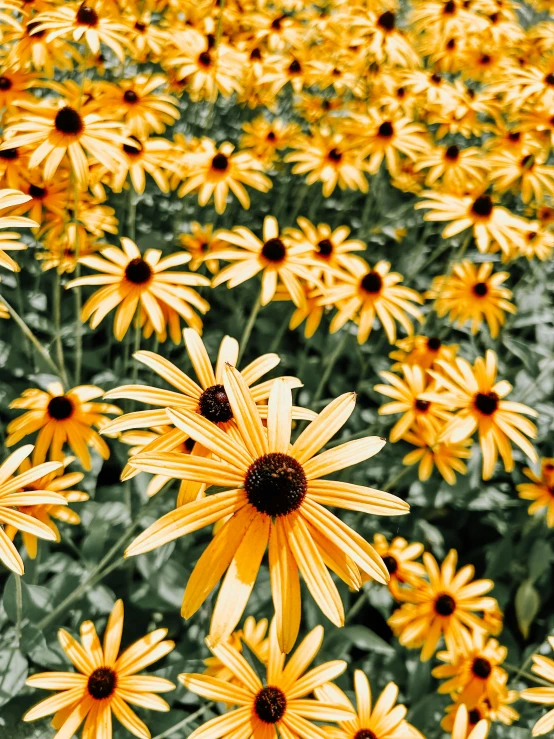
{"x":87,"y":16}
{"x":390,"y":563}
{"x":214,"y":405}
{"x":140,"y":26}
{"x":386,"y":130}
{"x":434,"y":343}
{"x":294,"y":67}
{"x":449,"y":8}
{"x":325,"y":247}
{"x":372,"y":283}
{"x":480,"y":289}
{"x":474,"y":716}
{"x":387,"y":20}
{"x":133,"y":150}
{"x":102,"y":683}
{"x":271,"y":136}
{"x":60,"y":408}
{"x":275,"y":484}
{"x":274,"y":250}
{"x":138,"y":271}
{"x":5,"y":84}
{"x":549,"y":79}
{"x":335,"y":155}
{"x":451,"y":44}
{"x":482,"y":206}
{"x":68,"y":121}
{"x":220,"y":162}
{"x":37,"y":192}
{"x":481,"y":667}
{"x":514,"y":136}
{"x":9,"y":154}
{"x":365,"y":734}
{"x":189,"y":444}
{"x":486,"y":403}
{"x":130,"y":96}
{"x":205,"y":59}
{"x":452,"y":153}
{"x":445,"y":605}
{"x":270,"y":705}
{"x":422,"y":405}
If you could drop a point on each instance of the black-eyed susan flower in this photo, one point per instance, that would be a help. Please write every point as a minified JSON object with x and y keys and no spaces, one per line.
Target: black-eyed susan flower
{"x":141,"y":156}
{"x":458,"y":170}
{"x":212,"y":170}
{"x":505,"y":714}
{"x":103,"y":683}
{"x":9,"y":239}
{"x":421,"y":350}
{"x":61,"y":417}
{"x":56,"y":481}
{"x":544,"y":668}
{"x":540,"y":490}
{"x":399,"y":557}
{"x":384,"y":719}
{"x":254,"y":635}
{"x":265,"y":138}
{"x":276,"y":497}
{"x":443,"y":606}
{"x":473,"y":293}
{"x":15,"y":497}
{"x":478,"y":399}
{"x":524,"y":173}
{"x":134,"y":283}
{"x":280,"y":703}
{"x":409,"y":398}
{"x":201,"y":243}
{"x":277,"y":256}
{"x":472,"y":672}
{"x":461,"y":725}
{"x":388,"y":140}
{"x":447,"y":456}
{"x":364,"y":293}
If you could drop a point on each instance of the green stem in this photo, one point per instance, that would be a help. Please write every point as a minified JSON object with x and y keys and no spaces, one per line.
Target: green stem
{"x":184,"y":722}
{"x":280,"y":333}
{"x":357,"y":606}
{"x":249,"y":326}
{"x":56,"y":300}
{"x":329,"y":366}
{"x":21,"y":309}
{"x":131,"y":214}
{"x":396,"y":479}
{"x":18,"y":608}
{"x":527,"y":675}
{"x":31,"y":337}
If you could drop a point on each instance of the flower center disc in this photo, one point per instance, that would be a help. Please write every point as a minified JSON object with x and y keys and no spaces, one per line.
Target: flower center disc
{"x":130,"y":96}
{"x":371,"y":283}
{"x":422,"y":405}
{"x":133,"y":150}
{"x":274,"y":250}
{"x":482,"y":206}
{"x":474,"y":716}
{"x":387,"y":21}
{"x":220,"y":162}
{"x":214,"y":405}
{"x":480,"y":289}
{"x":445,"y":605}
{"x":5,"y":83}
{"x":487,"y":403}
{"x":37,"y":192}
{"x":60,"y":408}
{"x":68,"y":121}
{"x":391,"y":564}
{"x":481,"y":667}
{"x":364,"y":734}
{"x":275,"y":484}
{"x":87,"y":16}
{"x":325,"y":248}
{"x":138,"y":271}
{"x":386,"y":130}
{"x":434,"y":343}
{"x":9,"y":154}
{"x":270,"y":705}
{"x":102,"y":683}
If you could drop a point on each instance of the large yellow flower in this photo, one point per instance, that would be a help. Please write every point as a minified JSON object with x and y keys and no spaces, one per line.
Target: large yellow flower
{"x":281,"y":704}
{"x":104,"y":682}
{"x":134,"y":283}
{"x":61,"y":417}
{"x":544,"y":668}
{"x":9,"y":239}
{"x":540,"y":490}
{"x":277,"y":496}
{"x":399,"y":558}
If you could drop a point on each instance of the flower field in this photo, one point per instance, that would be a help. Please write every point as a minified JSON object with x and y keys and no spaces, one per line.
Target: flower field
{"x":276,"y":369}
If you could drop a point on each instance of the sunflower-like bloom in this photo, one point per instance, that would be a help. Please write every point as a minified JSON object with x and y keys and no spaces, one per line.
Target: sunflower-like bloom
{"x":15,"y":497}
{"x":493,"y":226}
{"x":444,"y":606}
{"x":383,"y":720}
{"x":81,"y":22}
{"x":473,"y":293}
{"x":422,"y":351}
{"x":215,"y":170}
{"x":544,"y":668}
{"x":277,"y":256}
{"x":55,"y":131}
{"x":525,"y":174}
{"x":254,"y":635}
{"x":327,"y":158}
{"x":265,"y":138}
{"x":59,"y":418}
{"x":281,"y":704}
{"x":202,"y":244}
{"x":446,"y":456}
{"x":409,"y":398}
{"x":152,"y":155}
{"x":9,"y":239}
{"x":479,"y":400}
{"x":276,"y":496}
{"x":399,"y":558}
{"x":540,"y":490}
{"x":458,"y":170}
{"x":473,"y":671}
{"x":364,"y":293}
{"x":504,"y":713}
{"x":388,"y":140}
{"x":134,"y":283}
{"x":45,"y":512}
{"x":104,"y":683}
{"x":461,"y":725}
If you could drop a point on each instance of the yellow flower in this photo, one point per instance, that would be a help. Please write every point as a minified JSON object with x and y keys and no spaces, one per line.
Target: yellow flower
{"x":399,"y":558}
{"x":479,"y":400}
{"x":134,"y":283}
{"x":364,"y":293}
{"x":277,"y":256}
{"x":61,"y":417}
{"x":446,"y":456}
{"x":458,"y":170}
{"x":460,"y":726}
{"x":57,"y":482}
{"x":281,"y":704}
{"x":527,"y":175}
{"x":13,"y":496}
{"x":382,"y":720}
{"x":104,"y":682}
{"x":504,"y":713}
{"x":540,"y":490}
{"x":254,"y":635}
{"x":276,"y":497}
{"x":444,"y":606}
{"x":201,"y":243}
{"x":422,"y":351}
{"x":8,"y":239}
{"x":473,"y":293}
{"x":544,"y":668}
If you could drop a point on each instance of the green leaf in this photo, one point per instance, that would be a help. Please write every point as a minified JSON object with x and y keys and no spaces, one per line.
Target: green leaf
{"x":365,"y":638}
{"x":36,"y":600}
{"x":527,"y":604}
{"x":13,"y":673}
{"x":539,"y":559}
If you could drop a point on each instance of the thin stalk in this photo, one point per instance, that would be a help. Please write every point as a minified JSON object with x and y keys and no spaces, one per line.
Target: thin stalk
{"x":249,"y":326}
{"x":26,"y":331}
{"x":330,"y":366}
{"x":21,"y":308}
{"x":396,"y":479}
{"x":356,"y":608}
{"x":527,"y":675}
{"x":136,"y":347}
{"x":188,"y":720}
{"x":131,"y":213}
{"x":18,"y":608}
{"x":56,"y":301}
{"x":282,"y":330}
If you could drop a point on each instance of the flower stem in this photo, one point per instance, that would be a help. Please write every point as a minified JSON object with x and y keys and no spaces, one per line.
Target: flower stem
{"x":188,"y":720}
{"x":131,"y":213}
{"x":18,"y":608}
{"x":56,"y":300}
{"x":527,"y":675}
{"x":249,"y":326}
{"x":330,"y":366}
